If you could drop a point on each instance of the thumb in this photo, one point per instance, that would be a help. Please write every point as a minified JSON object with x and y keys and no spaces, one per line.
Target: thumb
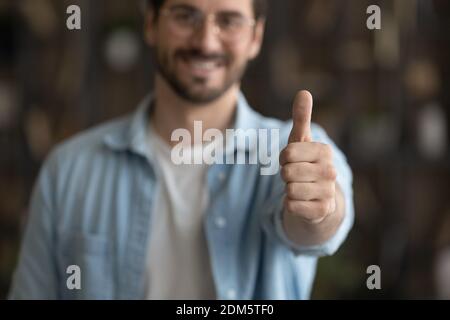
{"x":301,"y":116}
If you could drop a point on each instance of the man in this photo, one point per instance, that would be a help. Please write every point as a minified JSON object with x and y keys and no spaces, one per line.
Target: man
{"x":112,"y":202}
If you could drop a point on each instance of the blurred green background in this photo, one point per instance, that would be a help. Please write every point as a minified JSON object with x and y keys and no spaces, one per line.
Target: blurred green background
{"x":382,"y":95}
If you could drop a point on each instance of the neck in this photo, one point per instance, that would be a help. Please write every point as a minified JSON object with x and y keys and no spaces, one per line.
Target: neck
{"x":172,"y":112}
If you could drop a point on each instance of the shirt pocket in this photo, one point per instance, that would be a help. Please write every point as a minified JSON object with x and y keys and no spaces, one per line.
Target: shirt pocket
{"x":93,"y":255}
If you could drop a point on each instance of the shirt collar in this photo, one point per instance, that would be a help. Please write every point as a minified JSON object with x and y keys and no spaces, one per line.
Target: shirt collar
{"x":133,"y":136}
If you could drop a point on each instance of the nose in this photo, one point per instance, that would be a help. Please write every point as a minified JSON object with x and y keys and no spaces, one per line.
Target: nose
{"x":207,"y":36}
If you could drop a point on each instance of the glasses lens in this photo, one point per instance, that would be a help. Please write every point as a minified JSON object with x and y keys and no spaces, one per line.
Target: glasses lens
{"x":184,"y":18}
{"x":230,"y":26}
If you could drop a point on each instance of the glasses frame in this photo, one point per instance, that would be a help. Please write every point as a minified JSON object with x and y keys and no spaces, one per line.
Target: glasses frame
{"x":205,"y":18}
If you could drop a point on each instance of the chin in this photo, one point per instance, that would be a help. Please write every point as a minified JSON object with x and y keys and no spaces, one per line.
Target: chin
{"x":203,"y":97}
{"x":201,"y":93}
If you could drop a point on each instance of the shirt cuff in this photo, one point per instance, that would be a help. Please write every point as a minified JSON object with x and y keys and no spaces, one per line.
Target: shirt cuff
{"x":327,"y":248}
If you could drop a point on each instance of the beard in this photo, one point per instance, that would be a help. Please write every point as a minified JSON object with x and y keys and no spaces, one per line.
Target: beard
{"x":195,"y":90}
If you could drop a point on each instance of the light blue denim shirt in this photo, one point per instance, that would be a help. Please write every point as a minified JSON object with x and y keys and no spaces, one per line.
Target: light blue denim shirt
{"x":92,"y":207}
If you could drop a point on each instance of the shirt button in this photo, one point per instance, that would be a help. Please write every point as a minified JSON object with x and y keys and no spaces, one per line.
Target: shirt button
{"x":221,"y":222}
{"x":231,"y":294}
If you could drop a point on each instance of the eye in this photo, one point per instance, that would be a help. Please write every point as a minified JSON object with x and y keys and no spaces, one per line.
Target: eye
{"x":230,"y":21}
{"x":184,"y":16}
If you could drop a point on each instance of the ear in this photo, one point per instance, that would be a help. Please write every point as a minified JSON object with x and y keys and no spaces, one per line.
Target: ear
{"x":150,"y":27}
{"x":258,"y":36}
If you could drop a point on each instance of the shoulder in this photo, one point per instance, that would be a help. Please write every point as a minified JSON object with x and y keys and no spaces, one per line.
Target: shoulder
{"x":89,"y":141}
{"x":82,"y":152}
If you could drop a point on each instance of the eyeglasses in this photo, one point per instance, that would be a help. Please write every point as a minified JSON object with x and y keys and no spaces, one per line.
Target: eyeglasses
{"x":230,"y":26}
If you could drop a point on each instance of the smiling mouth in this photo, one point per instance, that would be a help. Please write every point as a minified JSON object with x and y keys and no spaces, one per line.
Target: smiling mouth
{"x":202,"y":66}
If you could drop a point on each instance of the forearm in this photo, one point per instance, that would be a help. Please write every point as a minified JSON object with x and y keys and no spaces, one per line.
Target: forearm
{"x":304,"y":233}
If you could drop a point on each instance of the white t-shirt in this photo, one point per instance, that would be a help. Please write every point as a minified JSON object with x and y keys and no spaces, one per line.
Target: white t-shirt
{"x":178,"y":259}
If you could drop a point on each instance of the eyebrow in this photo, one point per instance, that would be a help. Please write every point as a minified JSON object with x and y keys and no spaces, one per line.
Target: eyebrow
{"x":193,"y":8}
{"x":183,"y":6}
{"x":231,"y":13}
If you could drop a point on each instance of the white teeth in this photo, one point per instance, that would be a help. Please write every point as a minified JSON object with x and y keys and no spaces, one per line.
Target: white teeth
{"x":204,"y":65}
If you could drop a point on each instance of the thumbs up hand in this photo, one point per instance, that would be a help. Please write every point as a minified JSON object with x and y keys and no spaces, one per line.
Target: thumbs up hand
{"x":307,"y":168}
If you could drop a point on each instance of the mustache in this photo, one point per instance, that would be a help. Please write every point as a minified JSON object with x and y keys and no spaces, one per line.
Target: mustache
{"x":195,"y":53}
